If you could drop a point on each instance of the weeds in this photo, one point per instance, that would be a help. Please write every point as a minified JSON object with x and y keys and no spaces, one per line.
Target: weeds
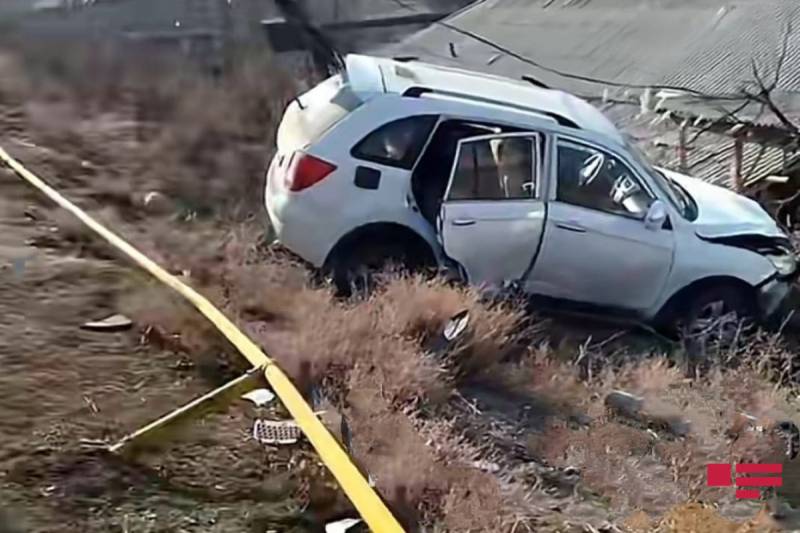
{"x":120,"y":134}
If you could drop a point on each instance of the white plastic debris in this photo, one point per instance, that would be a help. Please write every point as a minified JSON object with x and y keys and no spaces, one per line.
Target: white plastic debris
{"x":260,"y":397}
{"x":486,"y":466}
{"x":112,"y":323}
{"x":157,"y":203}
{"x":276,"y":432}
{"x":341,"y":526}
{"x":456,"y":326}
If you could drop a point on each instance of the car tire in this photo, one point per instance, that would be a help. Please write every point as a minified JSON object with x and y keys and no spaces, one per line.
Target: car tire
{"x":354,"y":272}
{"x":717,"y":314}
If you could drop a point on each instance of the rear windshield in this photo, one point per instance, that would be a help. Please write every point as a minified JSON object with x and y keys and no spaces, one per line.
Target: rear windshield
{"x":311,"y":114}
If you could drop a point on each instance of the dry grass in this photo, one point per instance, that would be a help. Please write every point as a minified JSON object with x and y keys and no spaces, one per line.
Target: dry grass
{"x":203,"y":144}
{"x":132,"y":120}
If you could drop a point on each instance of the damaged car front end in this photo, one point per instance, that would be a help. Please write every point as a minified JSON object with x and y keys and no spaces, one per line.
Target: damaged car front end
{"x":727,"y":219}
{"x":772,"y":294}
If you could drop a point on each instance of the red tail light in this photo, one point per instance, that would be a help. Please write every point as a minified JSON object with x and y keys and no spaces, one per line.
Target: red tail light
{"x":307,"y":170}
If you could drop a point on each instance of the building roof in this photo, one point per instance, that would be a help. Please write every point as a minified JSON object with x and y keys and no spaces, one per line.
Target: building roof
{"x":709,"y":155}
{"x":707,"y":46}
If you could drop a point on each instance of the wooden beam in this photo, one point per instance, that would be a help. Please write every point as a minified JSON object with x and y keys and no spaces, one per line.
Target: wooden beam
{"x":736,"y":165}
{"x":156,"y":434}
{"x":682,"y":156}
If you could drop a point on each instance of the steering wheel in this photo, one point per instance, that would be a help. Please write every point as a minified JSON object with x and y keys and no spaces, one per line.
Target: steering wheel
{"x":624,"y":187}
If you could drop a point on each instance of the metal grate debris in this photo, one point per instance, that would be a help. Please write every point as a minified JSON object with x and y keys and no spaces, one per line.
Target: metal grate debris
{"x":276,"y":432}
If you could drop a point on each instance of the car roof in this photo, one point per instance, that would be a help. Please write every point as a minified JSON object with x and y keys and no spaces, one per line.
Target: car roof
{"x":368,"y":74}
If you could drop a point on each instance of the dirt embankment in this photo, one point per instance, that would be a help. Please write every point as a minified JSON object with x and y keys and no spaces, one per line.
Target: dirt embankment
{"x":506,"y":431}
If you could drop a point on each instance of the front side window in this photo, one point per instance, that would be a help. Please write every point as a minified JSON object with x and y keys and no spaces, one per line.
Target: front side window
{"x":397,"y":143}
{"x":500,"y":168}
{"x":598,"y":180}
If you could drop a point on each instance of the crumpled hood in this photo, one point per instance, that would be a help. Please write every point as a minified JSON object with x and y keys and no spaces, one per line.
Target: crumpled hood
{"x":723,"y":213}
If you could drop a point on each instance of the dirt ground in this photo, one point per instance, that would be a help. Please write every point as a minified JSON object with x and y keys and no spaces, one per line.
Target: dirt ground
{"x":64,"y":391}
{"x":478,"y":437}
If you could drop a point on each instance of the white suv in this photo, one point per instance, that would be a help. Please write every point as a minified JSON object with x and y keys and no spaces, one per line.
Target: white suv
{"x":510,"y":182}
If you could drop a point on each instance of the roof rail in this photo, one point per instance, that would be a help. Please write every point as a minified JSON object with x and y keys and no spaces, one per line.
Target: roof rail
{"x":534,"y":81}
{"x":417,"y":91}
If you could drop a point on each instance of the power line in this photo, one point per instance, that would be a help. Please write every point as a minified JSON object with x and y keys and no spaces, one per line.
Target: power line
{"x":558,"y":72}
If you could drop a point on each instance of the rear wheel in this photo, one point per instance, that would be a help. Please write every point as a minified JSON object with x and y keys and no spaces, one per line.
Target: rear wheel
{"x":357,"y":271}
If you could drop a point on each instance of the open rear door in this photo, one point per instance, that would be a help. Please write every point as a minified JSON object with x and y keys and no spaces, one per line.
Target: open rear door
{"x":492,"y":217}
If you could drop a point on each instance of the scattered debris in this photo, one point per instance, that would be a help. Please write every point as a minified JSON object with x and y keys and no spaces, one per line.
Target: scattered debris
{"x":791,"y":434}
{"x":260,"y":397}
{"x":453,"y":330}
{"x":157,"y":203}
{"x":113,"y":323}
{"x":276,"y":432}
{"x":742,"y":422}
{"x":635,"y":408}
{"x":456,"y":326}
{"x":93,"y":444}
{"x":340,"y":526}
{"x":19,"y":264}
{"x":486,"y":466}
{"x":31,"y":213}
{"x":91,"y":405}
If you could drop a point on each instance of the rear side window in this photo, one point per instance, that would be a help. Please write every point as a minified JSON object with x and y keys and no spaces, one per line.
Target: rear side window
{"x":397,"y":143}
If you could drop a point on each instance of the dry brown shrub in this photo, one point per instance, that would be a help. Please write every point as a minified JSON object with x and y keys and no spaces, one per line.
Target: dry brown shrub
{"x":422,"y":468}
{"x":653,"y":377}
{"x":14,"y":83}
{"x":203,"y":144}
{"x":384,"y":441}
{"x":166,"y":319}
{"x":68,"y":232}
{"x":417,"y":308}
{"x":212,"y":152}
{"x":203,"y":141}
{"x":548,"y":379}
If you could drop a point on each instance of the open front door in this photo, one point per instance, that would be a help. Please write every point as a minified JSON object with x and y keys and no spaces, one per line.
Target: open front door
{"x":492,"y":216}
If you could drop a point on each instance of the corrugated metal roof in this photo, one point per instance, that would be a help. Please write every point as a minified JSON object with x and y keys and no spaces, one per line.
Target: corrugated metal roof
{"x":709,"y":155}
{"x":710,"y":159}
{"x":703,"y":45}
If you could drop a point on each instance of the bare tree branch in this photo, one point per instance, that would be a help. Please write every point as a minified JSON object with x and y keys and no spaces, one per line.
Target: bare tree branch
{"x":726,"y":115}
{"x":764,"y":94}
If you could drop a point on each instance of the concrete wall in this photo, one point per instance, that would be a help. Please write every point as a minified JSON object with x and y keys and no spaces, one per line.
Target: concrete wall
{"x":201,"y":27}
{"x":131,"y":16}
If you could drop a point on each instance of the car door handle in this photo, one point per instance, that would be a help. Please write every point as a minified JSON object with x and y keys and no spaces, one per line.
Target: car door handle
{"x":571,"y":226}
{"x":463,"y":222}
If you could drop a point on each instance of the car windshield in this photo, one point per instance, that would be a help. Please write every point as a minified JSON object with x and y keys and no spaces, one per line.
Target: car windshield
{"x":677,"y":196}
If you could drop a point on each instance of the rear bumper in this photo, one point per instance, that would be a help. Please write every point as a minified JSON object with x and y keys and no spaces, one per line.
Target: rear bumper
{"x":292,"y":217}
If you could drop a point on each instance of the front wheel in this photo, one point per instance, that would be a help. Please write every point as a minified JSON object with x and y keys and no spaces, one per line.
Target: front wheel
{"x":718,"y":314}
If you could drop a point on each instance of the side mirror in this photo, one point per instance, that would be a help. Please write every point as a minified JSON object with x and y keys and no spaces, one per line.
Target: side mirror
{"x":656,"y":215}
{"x":591,"y":168}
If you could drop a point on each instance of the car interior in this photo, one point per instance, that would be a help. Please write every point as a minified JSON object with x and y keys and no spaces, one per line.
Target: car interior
{"x":432,"y":173}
